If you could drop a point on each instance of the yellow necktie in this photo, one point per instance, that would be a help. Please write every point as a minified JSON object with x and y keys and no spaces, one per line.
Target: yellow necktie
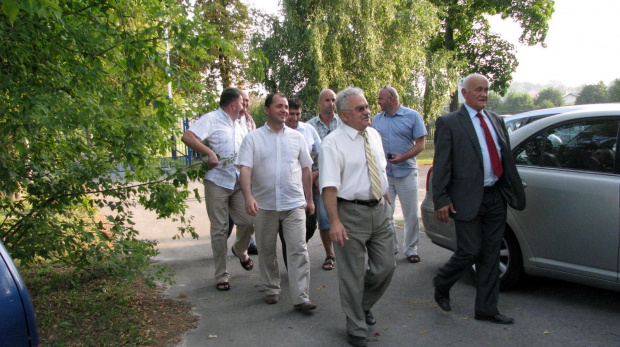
{"x":373,"y":170}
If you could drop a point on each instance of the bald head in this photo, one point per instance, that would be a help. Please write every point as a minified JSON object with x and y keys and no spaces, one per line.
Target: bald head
{"x":327,"y":103}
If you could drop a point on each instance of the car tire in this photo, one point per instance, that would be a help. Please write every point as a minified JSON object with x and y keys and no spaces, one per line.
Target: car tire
{"x":511,"y":262}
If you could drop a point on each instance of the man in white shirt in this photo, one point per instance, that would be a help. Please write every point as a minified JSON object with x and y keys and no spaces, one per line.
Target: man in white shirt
{"x":354,"y":188}
{"x":223,"y":197}
{"x":277,"y":185}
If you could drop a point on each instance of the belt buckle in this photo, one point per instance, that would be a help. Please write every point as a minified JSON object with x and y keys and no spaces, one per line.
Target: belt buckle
{"x":373,"y":203}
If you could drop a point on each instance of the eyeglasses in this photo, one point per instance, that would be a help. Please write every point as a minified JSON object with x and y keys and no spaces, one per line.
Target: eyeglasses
{"x":358,"y":109}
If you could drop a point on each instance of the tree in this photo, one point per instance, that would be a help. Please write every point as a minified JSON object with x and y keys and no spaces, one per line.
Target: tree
{"x":84,"y":93}
{"x":517,"y":103}
{"x":466,"y":34}
{"x":592,"y":94}
{"x":322,"y":44}
{"x":613,"y":92}
{"x":549,"y":97}
{"x":495,"y":102}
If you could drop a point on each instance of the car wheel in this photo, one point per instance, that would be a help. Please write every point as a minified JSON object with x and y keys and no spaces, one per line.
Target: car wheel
{"x":510,"y":262}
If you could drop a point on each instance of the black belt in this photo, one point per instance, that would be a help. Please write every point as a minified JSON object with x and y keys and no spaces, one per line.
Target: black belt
{"x":369,"y":203}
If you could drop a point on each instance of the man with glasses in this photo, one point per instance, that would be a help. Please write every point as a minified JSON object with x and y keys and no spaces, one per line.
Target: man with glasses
{"x":326,"y":122}
{"x":403,"y":135}
{"x":354,"y":186}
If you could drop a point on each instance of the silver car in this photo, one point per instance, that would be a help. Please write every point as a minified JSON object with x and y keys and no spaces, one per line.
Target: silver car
{"x":570,"y":229}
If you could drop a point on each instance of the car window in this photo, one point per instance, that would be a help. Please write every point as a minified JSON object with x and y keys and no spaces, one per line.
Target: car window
{"x":582,"y":145}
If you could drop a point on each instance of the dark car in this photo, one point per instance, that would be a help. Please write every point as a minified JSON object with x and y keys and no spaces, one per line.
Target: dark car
{"x":17,"y":322}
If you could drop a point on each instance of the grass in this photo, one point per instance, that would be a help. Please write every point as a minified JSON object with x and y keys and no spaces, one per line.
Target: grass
{"x":94,"y":309}
{"x":426,"y":157}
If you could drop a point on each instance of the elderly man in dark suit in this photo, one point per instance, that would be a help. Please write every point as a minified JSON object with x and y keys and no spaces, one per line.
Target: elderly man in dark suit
{"x":474,"y":177}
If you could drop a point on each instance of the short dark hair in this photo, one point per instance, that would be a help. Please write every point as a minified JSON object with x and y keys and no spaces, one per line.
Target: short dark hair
{"x":229,"y":95}
{"x":269,"y":98}
{"x":294,"y":103}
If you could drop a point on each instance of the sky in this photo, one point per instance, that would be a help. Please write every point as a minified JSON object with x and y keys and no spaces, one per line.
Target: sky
{"x":583,"y":43}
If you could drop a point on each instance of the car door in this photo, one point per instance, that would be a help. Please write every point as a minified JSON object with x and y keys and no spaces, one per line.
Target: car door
{"x":572,"y":219}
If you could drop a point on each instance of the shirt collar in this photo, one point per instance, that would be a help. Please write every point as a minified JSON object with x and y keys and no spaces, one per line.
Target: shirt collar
{"x":352,"y":133}
{"x":472,"y":112}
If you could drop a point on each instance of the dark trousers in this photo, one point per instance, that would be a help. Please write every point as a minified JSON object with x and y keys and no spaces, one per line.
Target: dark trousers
{"x":478,"y":242}
{"x":310,"y":229}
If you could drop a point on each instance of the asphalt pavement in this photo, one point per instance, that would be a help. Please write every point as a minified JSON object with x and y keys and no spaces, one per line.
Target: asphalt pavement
{"x":406,"y":315}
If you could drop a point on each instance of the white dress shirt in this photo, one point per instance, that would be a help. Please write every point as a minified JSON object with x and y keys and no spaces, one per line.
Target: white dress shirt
{"x":225,"y":137}
{"x":489,"y":176}
{"x":276,"y":160}
{"x":343,"y":163}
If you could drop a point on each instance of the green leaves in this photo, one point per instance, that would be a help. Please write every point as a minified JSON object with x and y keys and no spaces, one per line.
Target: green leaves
{"x":10,"y":9}
{"x":83,"y":93}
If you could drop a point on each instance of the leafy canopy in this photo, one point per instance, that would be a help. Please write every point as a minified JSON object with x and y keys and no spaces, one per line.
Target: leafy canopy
{"x":84,"y":93}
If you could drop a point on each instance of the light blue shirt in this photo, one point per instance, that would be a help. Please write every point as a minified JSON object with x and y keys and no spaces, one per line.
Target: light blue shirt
{"x":489,"y":176}
{"x":398,"y":134}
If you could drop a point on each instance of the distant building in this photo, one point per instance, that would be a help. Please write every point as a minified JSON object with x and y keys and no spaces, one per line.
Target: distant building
{"x":570,"y":98}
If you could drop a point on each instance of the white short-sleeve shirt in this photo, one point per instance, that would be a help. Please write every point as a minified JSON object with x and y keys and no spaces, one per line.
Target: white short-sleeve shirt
{"x":276,"y":160}
{"x":224,"y":137}
{"x":343,"y":163}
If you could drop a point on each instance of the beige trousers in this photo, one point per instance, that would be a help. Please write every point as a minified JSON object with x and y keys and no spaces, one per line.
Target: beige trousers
{"x":294,"y":231}
{"x":221,"y":203}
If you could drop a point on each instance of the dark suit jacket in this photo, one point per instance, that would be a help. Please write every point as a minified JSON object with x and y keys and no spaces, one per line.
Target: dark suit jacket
{"x":458,"y":174}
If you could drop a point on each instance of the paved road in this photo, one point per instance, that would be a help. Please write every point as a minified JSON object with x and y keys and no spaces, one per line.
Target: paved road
{"x":548,"y":313}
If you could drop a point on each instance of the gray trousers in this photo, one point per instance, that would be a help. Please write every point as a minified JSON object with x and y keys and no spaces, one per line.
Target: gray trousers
{"x":365,"y":262}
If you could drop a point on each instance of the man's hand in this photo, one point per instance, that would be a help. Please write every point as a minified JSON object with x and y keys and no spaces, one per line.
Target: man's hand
{"x":443,"y":214}
{"x":337,"y":233}
{"x":398,"y":158}
{"x":251,"y":207}
{"x":212,"y":162}
{"x":310,"y":207}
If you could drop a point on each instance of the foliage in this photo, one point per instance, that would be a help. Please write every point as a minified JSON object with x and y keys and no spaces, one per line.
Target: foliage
{"x":613,"y":93}
{"x":494,"y":102}
{"x":549,"y":97}
{"x":466,"y":34}
{"x":235,"y":55}
{"x":592,"y":94}
{"x":322,"y":44}
{"x":83,"y":94}
{"x":73,"y":307}
{"x":516,"y":103}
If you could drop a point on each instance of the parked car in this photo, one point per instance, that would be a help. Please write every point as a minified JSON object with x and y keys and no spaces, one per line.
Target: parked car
{"x":515,"y":121}
{"x":17,"y":322}
{"x":570,"y":228}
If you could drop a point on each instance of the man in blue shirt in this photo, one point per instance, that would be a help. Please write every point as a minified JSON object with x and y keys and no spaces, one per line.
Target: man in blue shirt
{"x":403,"y":134}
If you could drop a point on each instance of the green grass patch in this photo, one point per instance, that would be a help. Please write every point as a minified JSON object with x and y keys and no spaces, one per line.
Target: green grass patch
{"x":426,"y":157}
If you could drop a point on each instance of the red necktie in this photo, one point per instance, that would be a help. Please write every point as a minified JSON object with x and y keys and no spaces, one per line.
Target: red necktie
{"x":496,"y":164}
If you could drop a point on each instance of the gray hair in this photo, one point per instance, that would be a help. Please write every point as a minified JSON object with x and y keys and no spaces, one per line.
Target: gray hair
{"x":343,"y":96}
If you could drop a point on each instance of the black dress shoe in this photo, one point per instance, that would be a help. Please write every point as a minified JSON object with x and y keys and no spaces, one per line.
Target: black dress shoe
{"x":356,"y":341}
{"x":498,"y":318}
{"x":370,"y":319}
{"x":441,"y":298}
